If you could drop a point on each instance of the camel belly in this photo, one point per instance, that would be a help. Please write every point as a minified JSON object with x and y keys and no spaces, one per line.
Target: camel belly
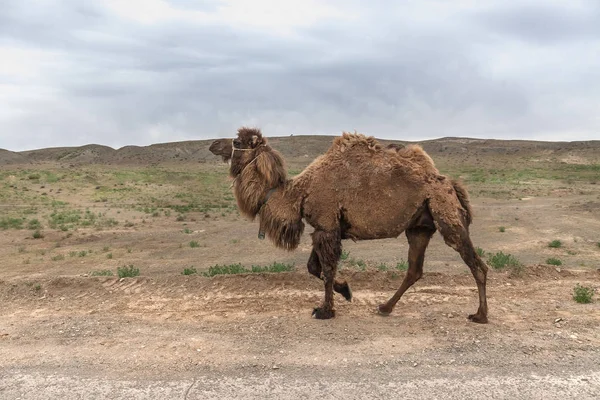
{"x":378,"y":223}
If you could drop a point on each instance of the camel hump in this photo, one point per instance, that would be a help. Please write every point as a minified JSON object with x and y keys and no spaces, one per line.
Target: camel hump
{"x":349,"y":140}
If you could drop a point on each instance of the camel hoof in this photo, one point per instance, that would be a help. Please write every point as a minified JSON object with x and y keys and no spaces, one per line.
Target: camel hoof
{"x":322,"y":313}
{"x":382,"y":310}
{"x":346,"y":292}
{"x":480,"y":319}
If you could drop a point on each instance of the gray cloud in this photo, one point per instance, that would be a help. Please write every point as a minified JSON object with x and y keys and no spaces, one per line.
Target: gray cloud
{"x":423,"y":70}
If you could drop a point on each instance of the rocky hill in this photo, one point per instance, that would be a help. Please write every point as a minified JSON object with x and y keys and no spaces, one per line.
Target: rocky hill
{"x":308,"y":147}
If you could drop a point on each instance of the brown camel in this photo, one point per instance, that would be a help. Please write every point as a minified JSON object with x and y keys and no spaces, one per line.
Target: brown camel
{"x":356,"y":190}
{"x":221,"y":147}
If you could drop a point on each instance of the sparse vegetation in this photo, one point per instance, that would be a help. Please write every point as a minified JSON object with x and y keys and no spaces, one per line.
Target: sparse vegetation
{"x":189,"y":271}
{"x":102,"y":272}
{"x":11,"y":223}
{"x":344,"y":256}
{"x":109,"y":256}
{"x":58,"y":257}
{"x":128,"y":271}
{"x":502,"y":229}
{"x":187,"y":231}
{"x":555,"y":244}
{"x":194,"y":244}
{"x":240,"y":269}
{"x":554,"y":261}
{"x":583,"y":294}
{"x":502,"y":261}
{"x":402,"y":265}
{"x":37,"y":234}
{"x":480,"y":252}
{"x":34,"y":224}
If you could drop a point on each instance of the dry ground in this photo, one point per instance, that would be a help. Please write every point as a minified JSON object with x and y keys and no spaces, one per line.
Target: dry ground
{"x":67,"y":334}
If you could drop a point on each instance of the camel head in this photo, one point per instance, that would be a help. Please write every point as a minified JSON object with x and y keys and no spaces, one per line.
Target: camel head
{"x":223,"y":148}
{"x":247,"y":147}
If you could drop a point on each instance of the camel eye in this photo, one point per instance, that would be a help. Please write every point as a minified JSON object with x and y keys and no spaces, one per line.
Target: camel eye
{"x":237,"y":143}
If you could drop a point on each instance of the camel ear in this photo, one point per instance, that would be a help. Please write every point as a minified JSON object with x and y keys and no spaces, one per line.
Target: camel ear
{"x":254,"y":140}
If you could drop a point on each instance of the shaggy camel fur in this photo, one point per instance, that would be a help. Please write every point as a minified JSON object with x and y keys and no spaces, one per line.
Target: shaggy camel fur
{"x":356,"y":190}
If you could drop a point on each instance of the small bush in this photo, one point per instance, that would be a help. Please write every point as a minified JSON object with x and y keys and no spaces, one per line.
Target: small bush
{"x":502,"y":229}
{"x":555,"y":244}
{"x":345,"y":255}
{"x":180,"y":218}
{"x":501,"y":261}
{"x":583,"y":294}
{"x":37,"y":234}
{"x":480,"y":251}
{"x":187,"y":231}
{"x":59,"y":257}
{"x":109,"y":256}
{"x":105,"y":249}
{"x":102,"y":272}
{"x":189,"y":271}
{"x":553,"y":261}
{"x":128,"y":271}
{"x":82,"y":253}
{"x":194,"y":244}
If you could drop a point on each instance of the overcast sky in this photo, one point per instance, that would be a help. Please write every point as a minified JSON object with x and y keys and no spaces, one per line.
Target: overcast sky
{"x":119,"y":72}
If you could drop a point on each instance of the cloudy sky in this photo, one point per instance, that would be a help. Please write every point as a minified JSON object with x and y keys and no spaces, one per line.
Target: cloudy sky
{"x":119,"y":72}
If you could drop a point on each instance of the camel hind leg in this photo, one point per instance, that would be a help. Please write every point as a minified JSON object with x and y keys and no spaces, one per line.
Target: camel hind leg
{"x":418,"y":239}
{"x":452,"y":226}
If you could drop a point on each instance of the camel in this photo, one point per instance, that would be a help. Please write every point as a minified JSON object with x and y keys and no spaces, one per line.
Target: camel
{"x":356,"y":190}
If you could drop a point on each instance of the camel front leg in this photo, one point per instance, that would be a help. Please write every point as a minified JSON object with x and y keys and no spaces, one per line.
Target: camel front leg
{"x":314,"y":267}
{"x":328,"y":247}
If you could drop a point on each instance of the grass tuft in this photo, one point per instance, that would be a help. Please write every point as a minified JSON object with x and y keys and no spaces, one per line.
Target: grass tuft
{"x":555,"y":244}
{"x":128,"y":271}
{"x":402,"y":265}
{"x":553,"y":261}
{"x":102,"y":272}
{"x":189,"y":271}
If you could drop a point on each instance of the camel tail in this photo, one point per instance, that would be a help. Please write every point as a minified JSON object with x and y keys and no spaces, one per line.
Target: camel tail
{"x":463,"y":197}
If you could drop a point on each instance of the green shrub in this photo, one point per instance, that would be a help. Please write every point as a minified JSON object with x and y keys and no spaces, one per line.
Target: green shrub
{"x":189,"y":271}
{"x":583,"y":294}
{"x":128,"y":271}
{"x":555,"y":244}
{"x":553,"y":261}
{"x":501,"y":261}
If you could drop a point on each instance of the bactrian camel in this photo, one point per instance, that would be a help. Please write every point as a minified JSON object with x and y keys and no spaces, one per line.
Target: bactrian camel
{"x":357,"y":190}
